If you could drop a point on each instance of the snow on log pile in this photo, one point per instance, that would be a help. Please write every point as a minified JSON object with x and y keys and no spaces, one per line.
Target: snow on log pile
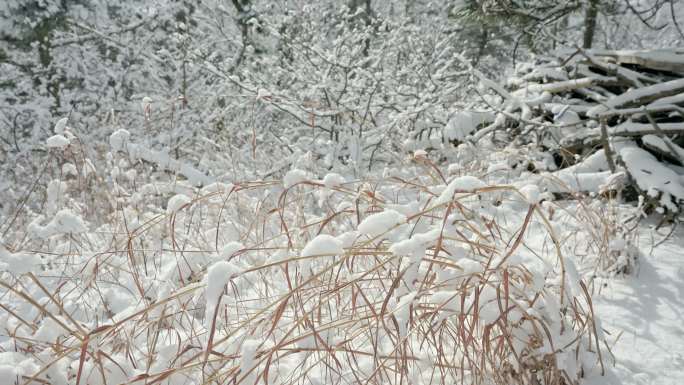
{"x":612,"y":119}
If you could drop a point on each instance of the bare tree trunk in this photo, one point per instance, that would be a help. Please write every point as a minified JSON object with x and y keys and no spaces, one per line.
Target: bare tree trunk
{"x":242,"y":7}
{"x":363,"y":18}
{"x":366,"y":15}
{"x":367,"y":19}
{"x":590,"y":23}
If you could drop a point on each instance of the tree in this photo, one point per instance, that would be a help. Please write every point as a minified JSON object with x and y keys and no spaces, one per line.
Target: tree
{"x":573,"y":20}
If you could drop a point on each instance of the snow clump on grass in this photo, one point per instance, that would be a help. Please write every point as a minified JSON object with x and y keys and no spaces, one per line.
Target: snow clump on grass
{"x":323,"y":244}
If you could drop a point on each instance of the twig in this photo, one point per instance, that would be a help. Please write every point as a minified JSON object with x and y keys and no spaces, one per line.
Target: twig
{"x":606,"y":146}
{"x":660,"y":133}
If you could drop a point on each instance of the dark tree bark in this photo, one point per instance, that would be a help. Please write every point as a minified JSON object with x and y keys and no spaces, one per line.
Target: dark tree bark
{"x":242,"y":7}
{"x":590,"y":23}
{"x":364,"y":18}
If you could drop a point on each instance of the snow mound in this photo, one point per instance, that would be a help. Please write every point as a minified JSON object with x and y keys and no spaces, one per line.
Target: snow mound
{"x":60,"y":126}
{"x":57,"y":141}
{"x":323,"y":244}
{"x":461,"y":184}
{"x":118,"y":139}
{"x":218,"y":276}
{"x":294,"y":177}
{"x":531,"y":193}
{"x":17,"y":263}
{"x":230,"y":248}
{"x":378,"y":224}
{"x":333,"y":180}
{"x":465,"y":123}
{"x":176,"y":202}
{"x":653,"y":176}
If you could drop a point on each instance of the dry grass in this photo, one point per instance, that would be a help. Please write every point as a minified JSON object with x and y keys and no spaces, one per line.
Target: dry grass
{"x":601,"y":231}
{"x":126,"y":303}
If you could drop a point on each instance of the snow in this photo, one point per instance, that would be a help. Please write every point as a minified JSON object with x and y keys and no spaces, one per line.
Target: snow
{"x":464,"y":123}
{"x":294,"y":177}
{"x":415,"y":246}
{"x":348,"y":239}
{"x":248,"y":354}
{"x":333,"y":180}
{"x":643,"y":315}
{"x":60,"y":126}
{"x":118,"y":139}
{"x":630,"y":127}
{"x":8,"y":371}
{"x":263,"y":94}
{"x":420,"y":154}
{"x":231,"y":248}
{"x":13,"y":365}
{"x":145,"y":104}
{"x":69,"y":169}
{"x":565,"y":115}
{"x":323,"y":244}
{"x":379,"y":223}
{"x":412,"y":247}
{"x":669,"y":100}
{"x":164,"y":161}
{"x":402,"y":310}
{"x":177,"y":202}
{"x":64,"y":221}
{"x":218,"y":276}
{"x":461,"y":184}
{"x":448,"y":300}
{"x":216,"y":187}
{"x":622,"y":100}
{"x":563,"y":85}
{"x":57,"y":141}
{"x":652,"y":176}
{"x":531,"y":193}
{"x":17,"y":263}
{"x":55,"y":194}
{"x":663,"y":144}
{"x":49,"y":330}
{"x":469,"y":266}
{"x":589,"y":175}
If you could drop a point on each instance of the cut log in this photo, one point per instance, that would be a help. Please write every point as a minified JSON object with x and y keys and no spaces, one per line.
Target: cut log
{"x":640,"y":96}
{"x":622,"y":109}
{"x":664,"y":147}
{"x":625,"y":75}
{"x":652,"y":108}
{"x":569,"y":85}
{"x":659,"y":60}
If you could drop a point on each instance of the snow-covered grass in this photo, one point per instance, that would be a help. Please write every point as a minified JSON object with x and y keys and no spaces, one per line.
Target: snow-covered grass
{"x":125,"y":271}
{"x":392,"y":280}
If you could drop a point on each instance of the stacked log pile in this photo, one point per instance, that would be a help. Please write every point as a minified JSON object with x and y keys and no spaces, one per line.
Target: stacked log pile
{"x":612,"y":119}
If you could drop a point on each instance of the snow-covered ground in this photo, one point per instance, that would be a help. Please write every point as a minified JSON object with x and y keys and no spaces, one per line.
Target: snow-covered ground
{"x":644,"y":314}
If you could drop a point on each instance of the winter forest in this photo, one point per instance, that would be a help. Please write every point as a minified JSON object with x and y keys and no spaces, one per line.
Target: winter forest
{"x":309,"y":192}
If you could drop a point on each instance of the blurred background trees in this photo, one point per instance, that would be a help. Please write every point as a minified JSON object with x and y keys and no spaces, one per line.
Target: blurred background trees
{"x":342,"y":80}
